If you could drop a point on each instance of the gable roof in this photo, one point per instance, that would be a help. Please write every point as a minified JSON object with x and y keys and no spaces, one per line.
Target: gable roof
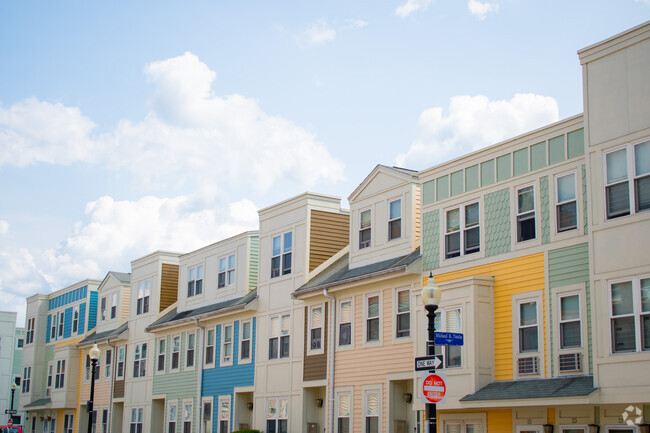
{"x":122,"y":277}
{"x":404,"y":173}
{"x":572,"y":386}
{"x":99,"y":336}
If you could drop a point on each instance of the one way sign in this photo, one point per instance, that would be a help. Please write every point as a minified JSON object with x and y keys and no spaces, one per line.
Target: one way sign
{"x":424,"y":363}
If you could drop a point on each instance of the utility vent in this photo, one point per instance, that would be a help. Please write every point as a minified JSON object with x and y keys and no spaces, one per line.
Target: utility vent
{"x":570,"y":362}
{"x":528,"y":365}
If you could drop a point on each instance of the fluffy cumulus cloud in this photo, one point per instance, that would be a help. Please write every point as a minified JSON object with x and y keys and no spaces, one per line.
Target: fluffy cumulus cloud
{"x":322,"y":31}
{"x":473,"y":122}
{"x":4,"y":227}
{"x":481,"y":9}
{"x":411,"y":6}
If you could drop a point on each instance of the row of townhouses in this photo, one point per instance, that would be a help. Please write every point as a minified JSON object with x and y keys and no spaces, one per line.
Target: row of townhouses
{"x":541,"y":248}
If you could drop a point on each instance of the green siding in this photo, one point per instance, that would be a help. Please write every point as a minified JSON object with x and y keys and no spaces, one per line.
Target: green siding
{"x":497,"y":222}
{"x":584,"y":198}
{"x":544,"y":210}
{"x":568,"y":266}
{"x":471,"y":178}
{"x":457,"y":183}
{"x":556,"y":150}
{"x":538,"y":156}
{"x":429,"y":192}
{"x":442,"y":188}
{"x":487,"y":172}
{"x":48,"y":355}
{"x":504,"y":167}
{"x":520,"y":159}
{"x":253,"y":261}
{"x":576,"y":143}
{"x":431,"y":240}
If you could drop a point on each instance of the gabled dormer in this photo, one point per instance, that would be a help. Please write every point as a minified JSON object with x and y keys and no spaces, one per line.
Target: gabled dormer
{"x":154,"y":284}
{"x":385,"y":217}
{"x":113,"y":301}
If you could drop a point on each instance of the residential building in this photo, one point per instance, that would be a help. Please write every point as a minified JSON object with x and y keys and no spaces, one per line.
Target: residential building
{"x":12,"y":340}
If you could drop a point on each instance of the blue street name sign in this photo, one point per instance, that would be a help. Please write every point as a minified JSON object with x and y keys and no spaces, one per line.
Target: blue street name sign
{"x":449,"y":338}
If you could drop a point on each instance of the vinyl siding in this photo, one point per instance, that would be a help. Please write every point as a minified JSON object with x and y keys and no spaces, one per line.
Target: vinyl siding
{"x":544,"y":212}
{"x":82,"y":319}
{"x":48,"y":355}
{"x":49,"y":326}
{"x":431,"y":240}
{"x":67,"y":323}
{"x":126,"y":302}
{"x":584,"y":199}
{"x":253,"y":261}
{"x":499,"y":420}
{"x":315,"y":366}
{"x":329,"y":233}
{"x":168,"y":285}
{"x":417,"y":217}
{"x":92,"y":311}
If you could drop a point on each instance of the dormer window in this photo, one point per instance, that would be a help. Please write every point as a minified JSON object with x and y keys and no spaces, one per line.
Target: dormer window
{"x":395,"y":219}
{"x":281,"y":254}
{"x":144,"y":290}
{"x":195,"y":281}
{"x":114,"y":306}
{"x":226,"y":271}
{"x":365,"y":228}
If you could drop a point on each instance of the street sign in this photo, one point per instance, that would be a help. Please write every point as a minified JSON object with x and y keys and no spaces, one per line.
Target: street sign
{"x":448,"y":338}
{"x":424,"y":363}
{"x":10,"y":423}
{"x":433,"y":388}
{"x":11,"y":411}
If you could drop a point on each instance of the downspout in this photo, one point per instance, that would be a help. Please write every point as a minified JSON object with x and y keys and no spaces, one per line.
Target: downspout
{"x":330,"y":349}
{"x":110,"y":394}
{"x":199,"y":380}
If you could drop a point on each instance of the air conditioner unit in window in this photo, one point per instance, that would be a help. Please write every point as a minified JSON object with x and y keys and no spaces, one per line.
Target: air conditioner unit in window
{"x":570,"y":362}
{"x":528,"y":365}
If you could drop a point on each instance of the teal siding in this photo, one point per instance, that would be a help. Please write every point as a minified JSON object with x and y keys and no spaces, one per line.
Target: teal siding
{"x":457,"y":186}
{"x":442,"y":188}
{"x":584,"y":198}
{"x":487,"y":172}
{"x":576,"y":143}
{"x":556,"y":151}
{"x":47,"y":357}
{"x":544,"y":210}
{"x":471,"y":178}
{"x":253,"y":261}
{"x":520,"y":161}
{"x":82,"y":319}
{"x":429,"y":192}
{"x":92,"y":311}
{"x":504,"y":167}
{"x":67,"y":324}
{"x":431,"y":240}
{"x":49,"y":326}
{"x":538,"y":155}
{"x":497,"y":222}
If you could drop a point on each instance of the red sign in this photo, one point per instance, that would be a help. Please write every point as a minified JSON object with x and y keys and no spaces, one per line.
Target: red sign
{"x":10,"y":422}
{"x":433,"y":388}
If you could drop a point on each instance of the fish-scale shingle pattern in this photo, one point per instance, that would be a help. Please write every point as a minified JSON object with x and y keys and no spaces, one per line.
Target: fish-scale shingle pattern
{"x":497,"y":222}
{"x":544,"y":210}
{"x":431,"y":240}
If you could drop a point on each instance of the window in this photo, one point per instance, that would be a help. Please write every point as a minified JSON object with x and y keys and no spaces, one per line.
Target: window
{"x":189,"y":355}
{"x":68,"y":423}
{"x":20,"y":343}
{"x":195,"y":281}
{"x":171,"y":418}
{"x":29,"y":337}
{"x":281,"y":255}
{"x":136,"y":420}
{"x":104,"y":420}
{"x":395,"y":219}
{"x":618,"y":194}
{"x":120,"y":361}
{"x":102,"y":310}
{"x":570,"y":329}
{"x":449,"y":320}
{"x":75,"y":320}
{"x":224,"y":413}
{"x":140,"y":360}
{"x":245,"y":351}
{"x":343,"y":414}
{"x":49,"y":425}
{"x":462,"y":427}
{"x":144,"y":290}
{"x":187,"y":417}
{"x":53,"y":329}
{"x":226,"y":271}
{"x":93,"y":422}
{"x":630,"y":315}
{"x":566,"y":210}
{"x":59,"y":379}
{"x":206,"y":415}
{"x":316,"y":328}
{"x":345,"y":324}
{"x":525,"y":214}
{"x":527,"y":327}
{"x":108,"y":364}
{"x":462,"y":228}
{"x":50,"y":375}
{"x":279,"y":337}
{"x":226,"y":348}
{"x":61,"y":322}
{"x":176,"y":349}
{"x":371,"y":413}
{"x":277,"y":415}
{"x":372,"y":318}
{"x":403,"y":319}
{"x":114,"y":306}
{"x":27,"y":374}
{"x":161,"y":354}
{"x":365,"y":229}
{"x":209,"y":346}
{"x":89,"y":367}
{"x":573,"y":429}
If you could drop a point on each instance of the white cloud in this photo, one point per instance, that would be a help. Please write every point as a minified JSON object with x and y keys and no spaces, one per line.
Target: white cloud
{"x":322,"y":31}
{"x":411,"y":6}
{"x":481,"y":9}
{"x":643,"y":1}
{"x":473,"y":122}
{"x":4,"y":227}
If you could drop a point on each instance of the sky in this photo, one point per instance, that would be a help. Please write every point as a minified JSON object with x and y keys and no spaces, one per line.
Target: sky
{"x":128,"y":127}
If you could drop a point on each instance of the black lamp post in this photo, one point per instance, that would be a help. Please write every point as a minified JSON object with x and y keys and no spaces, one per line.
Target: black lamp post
{"x":94,"y":356}
{"x":13,"y":387}
{"x":431,"y":299}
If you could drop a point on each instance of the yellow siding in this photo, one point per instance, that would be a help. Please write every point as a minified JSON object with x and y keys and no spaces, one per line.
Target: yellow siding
{"x":59,"y":422}
{"x":499,"y":420}
{"x":519,"y":275}
{"x":126,"y":302}
{"x":550,"y":415}
{"x":69,"y":342}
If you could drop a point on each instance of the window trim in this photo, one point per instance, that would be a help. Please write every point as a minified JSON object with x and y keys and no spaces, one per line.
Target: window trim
{"x":282,"y":271}
{"x":444,"y":350}
{"x":279,"y":337}
{"x":53,"y":325}
{"x":220,"y":399}
{"x":187,"y":366}
{"x":173,"y":369}
{"x":366,"y":319}
{"x":517,"y":300}
{"x":168,"y":417}
{"x":226,"y":272}
{"x":462,"y":229}
{"x":142,"y":302}
{"x":222,"y":361}
{"x":321,"y":349}
{"x":27,"y":379}
{"x":210,"y":344}
{"x":114,"y":303}
{"x":59,"y":378}
{"x":339,"y":323}
{"x":141,"y":360}
{"x":361,"y":245}
{"x":242,"y":340}
{"x":520,"y":214}
{"x":49,"y":378}
{"x":631,"y":177}
{"x":463,"y":419}
{"x":108,"y":363}
{"x":637,"y":313}
{"x":138,"y":421}
{"x":195,"y":284}
{"x":31,"y":324}
{"x":396,"y":314}
{"x":102,"y":308}
{"x":560,"y":322}
{"x":61,"y":331}
{"x":187,"y":402}
{"x":121,"y":353}
{"x":204,"y":400}
{"x":75,"y":319}
{"x":162,"y":355}
{"x":557,"y":202}
{"x":401,"y":213}
{"x":276,"y":418}
{"x":350,"y":416}
{"x":372,"y":389}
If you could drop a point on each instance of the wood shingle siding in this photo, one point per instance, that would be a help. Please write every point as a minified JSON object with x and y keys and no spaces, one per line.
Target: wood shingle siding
{"x":329,"y":233}
{"x":315,"y":366}
{"x":168,"y":285}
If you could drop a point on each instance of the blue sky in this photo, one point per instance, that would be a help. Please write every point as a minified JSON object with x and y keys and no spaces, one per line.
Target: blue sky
{"x":127,"y":127}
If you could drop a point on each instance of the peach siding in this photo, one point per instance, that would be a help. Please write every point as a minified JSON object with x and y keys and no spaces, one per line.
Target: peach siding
{"x":519,"y":275}
{"x":126,"y":299}
{"x":102,"y":386}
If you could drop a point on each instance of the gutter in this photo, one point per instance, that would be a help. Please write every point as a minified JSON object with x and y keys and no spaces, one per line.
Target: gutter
{"x":199,"y":380}
{"x":349,"y":280}
{"x":330,"y":349}
{"x":198,"y":317}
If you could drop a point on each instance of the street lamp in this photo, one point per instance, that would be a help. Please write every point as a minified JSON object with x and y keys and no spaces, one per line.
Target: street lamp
{"x":431,"y":299}
{"x":13,"y":387}
{"x":93,"y":353}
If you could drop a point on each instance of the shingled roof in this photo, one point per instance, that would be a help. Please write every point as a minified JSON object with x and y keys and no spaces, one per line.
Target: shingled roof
{"x":573,"y":386}
{"x":99,"y":336}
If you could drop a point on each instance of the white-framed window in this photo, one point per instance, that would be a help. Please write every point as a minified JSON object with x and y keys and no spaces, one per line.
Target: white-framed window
{"x":365,"y":228}
{"x":395,"y":219}
{"x":316,"y":328}
{"x":172,"y":409}
{"x":625,"y":166}
{"x":403,"y":313}
{"x":206,"y":415}
{"x":162,"y":350}
{"x":344,"y":413}
{"x":75,"y":319}
{"x":187,"y":416}
{"x":279,"y":336}
{"x":449,"y":320}
{"x":529,"y":428}
{"x":246,"y":333}
{"x":462,"y":230}
{"x":89,"y":368}
{"x":209,"y":346}
{"x":224,"y":413}
{"x":630,"y":314}
{"x":20,"y":343}
{"x":27,"y":377}
{"x":50,"y":378}
{"x":621,"y":429}
{"x":528,"y":326}
{"x":49,"y":425}
{"x":29,"y":336}
{"x":59,"y":379}
{"x":137,"y":415}
{"x":114,"y":306}
{"x":573,"y":429}
{"x":191,"y":346}
{"x":371,"y":412}
{"x":176,"y":352}
{"x":53,"y":328}
{"x":372,"y":318}
{"x":104,"y":420}
{"x":526,"y":213}
{"x":226,"y":344}
{"x":282,"y":246}
{"x":102,"y":309}
{"x":277,"y":415}
{"x":93,"y":422}
{"x":570,"y":321}
{"x":226,"y":271}
{"x":121,"y":355}
{"x":195,"y":281}
{"x":345,"y":322}
{"x":68,"y":423}
{"x":462,"y":427}
{"x":61,"y":322}
{"x":108,"y":364}
{"x":140,"y":360}
{"x":144,"y":291}
{"x":566,"y":207}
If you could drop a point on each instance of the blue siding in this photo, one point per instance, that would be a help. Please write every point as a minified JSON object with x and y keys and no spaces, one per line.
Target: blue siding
{"x":67,"y":298}
{"x":49,"y":325}
{"x":82,"y":318}
{"x":67,"y":325}
{"x":92,"y":311}
{"x":223,"y":380}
